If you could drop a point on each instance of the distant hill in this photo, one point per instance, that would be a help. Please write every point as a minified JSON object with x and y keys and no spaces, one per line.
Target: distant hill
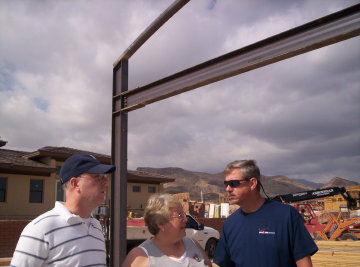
{"x":308,"y":183}
{"x":276,"y":185}
{"x":212,"y":184}
{"x":193,"y":182}
{"x":337,"y":181}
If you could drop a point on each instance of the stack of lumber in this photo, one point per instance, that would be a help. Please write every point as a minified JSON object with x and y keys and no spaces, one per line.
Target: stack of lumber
{"x":5,"y":261}
{"x":337,"y":254}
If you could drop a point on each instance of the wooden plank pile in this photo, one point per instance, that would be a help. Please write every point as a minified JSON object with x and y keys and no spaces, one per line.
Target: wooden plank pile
{"x":337,"y":254}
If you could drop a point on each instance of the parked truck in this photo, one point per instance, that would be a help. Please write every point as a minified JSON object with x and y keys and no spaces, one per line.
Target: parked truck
{"x":337,"y":227}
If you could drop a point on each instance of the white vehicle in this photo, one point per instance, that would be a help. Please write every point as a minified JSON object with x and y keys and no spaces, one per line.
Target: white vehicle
{"x":206,"y":236}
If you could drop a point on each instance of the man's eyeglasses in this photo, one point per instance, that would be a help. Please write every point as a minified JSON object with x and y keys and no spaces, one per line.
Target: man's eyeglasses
{"x":96,"y":177}
{"x":179,"y":216}
{"x":234,"y":183}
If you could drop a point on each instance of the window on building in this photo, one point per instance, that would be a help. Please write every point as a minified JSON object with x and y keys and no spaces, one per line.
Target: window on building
{"x":151,"y":189}
{"x":58,"y":168}
{"x":36,"y":191}
{"x":136,"y":188}
{"x":60,"y":196}
{"x":3,"y":189}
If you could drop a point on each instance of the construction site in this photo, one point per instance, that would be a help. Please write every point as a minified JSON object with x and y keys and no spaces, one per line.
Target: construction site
{"x":331,"y":215}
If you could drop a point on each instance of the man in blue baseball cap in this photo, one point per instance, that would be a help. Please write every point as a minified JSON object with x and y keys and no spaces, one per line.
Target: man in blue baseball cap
{"x":68,"y":235}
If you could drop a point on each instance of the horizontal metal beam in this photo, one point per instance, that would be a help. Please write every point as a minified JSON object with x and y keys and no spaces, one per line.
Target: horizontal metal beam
{"x":325,"y":31}
{"x":153,"y":27}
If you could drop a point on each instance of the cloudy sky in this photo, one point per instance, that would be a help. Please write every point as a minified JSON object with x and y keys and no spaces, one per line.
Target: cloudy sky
{"x":299,"y":117}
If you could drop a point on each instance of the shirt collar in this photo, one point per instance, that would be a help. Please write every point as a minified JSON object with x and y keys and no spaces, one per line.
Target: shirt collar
{"x":66,"y":214}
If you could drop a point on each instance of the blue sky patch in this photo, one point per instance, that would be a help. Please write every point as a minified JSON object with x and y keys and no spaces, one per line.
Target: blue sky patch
{"x":41,"y":103}
{"x":7,"y":80}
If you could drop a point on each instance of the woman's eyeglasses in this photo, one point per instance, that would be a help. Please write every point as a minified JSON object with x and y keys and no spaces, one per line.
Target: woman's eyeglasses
{"x":234,"y":183}
{"x":179,"y":216}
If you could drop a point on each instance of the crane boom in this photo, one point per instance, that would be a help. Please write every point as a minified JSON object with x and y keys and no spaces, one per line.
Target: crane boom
{"x":318,"y":193}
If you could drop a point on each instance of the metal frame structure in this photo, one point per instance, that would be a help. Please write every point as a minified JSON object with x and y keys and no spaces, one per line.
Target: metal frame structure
{"x":324,"y":31}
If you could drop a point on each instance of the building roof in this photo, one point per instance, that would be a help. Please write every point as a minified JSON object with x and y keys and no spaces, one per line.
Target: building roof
{"x":62,"y":153}
{"x":2,"y":143}
{"x":12,"y":161}
{"x":21,"y":162}
{"x":145,"y":177}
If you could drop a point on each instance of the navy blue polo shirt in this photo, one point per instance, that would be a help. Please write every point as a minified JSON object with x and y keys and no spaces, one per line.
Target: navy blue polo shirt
{"x":273,"y":236}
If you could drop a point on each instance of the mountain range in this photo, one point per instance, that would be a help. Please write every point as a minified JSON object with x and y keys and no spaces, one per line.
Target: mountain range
{"x":210,"y":185}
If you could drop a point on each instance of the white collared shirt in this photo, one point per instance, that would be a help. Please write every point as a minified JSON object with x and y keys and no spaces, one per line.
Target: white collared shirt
{"x":60,"y":238}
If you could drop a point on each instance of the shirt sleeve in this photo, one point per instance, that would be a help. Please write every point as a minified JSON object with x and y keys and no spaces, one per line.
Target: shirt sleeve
{"x":222,"y":257}
{"x":303,"y":244}
{"x":31,"y":249}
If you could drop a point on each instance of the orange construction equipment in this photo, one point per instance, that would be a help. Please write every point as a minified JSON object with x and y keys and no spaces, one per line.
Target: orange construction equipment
{"x":337,"y":227}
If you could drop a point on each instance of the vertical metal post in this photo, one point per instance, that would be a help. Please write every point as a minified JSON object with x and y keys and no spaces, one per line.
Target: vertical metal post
{"x":119,"y":139}
{"x":119,"y":157}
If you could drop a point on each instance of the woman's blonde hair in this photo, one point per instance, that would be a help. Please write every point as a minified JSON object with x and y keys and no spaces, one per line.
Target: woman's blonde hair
{"x":158,"y":210}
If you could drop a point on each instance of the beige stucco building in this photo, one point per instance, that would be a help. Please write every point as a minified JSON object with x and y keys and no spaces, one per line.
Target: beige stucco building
{"x":139,"y":188}
{"x":29,"y":183}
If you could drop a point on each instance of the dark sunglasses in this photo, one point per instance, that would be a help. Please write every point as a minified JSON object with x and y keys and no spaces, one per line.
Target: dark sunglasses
{"x":234,"y":183}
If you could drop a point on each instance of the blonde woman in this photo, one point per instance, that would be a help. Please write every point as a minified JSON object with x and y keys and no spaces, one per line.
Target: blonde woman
{"x":166,"y":220}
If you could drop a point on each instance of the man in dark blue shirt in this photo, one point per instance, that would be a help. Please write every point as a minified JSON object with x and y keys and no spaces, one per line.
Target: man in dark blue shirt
{"x":261,"y":233}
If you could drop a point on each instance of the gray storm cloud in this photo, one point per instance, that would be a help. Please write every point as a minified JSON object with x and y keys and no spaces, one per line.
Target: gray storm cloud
{"x":298,"y":117}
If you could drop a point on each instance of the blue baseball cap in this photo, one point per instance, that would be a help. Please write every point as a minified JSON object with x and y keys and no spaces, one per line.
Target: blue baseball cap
{"x":78,"y":164}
